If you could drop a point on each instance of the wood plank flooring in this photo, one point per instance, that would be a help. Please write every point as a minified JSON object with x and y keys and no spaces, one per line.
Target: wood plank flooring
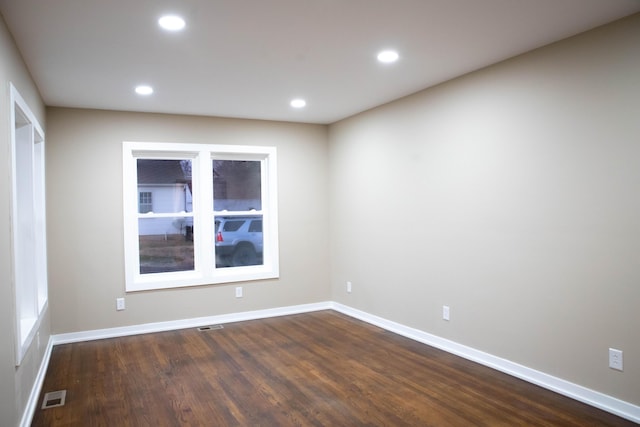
{"x":313,"y":369}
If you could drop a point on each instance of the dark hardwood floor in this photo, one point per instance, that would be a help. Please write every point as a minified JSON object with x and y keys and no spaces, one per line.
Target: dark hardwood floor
{"x":314,"y":369}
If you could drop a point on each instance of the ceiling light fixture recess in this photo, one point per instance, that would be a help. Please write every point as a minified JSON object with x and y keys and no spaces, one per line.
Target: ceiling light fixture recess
{"x":388,"y":56}
{"x":298,"y":103}
{"x":144,"y":90}
{"x":171,"y":22}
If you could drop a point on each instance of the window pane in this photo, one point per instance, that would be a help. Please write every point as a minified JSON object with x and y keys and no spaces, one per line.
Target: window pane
{"x":236,"y":185}
{"x":164,"y":245}
{"x":238,"y":241}
{"x":164,"y":186}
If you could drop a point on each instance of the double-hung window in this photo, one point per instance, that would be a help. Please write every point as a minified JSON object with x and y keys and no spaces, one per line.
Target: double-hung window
{"x":197,"y":214}
{"x":28,"y":223}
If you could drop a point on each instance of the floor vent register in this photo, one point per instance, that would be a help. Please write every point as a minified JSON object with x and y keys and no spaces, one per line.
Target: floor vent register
{"x":210,"y":328}
{"x":54,"y":399}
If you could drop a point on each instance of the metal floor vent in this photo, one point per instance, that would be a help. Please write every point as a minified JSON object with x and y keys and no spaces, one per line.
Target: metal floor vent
{"x":54,"y":398}
{"x":210,"y":328}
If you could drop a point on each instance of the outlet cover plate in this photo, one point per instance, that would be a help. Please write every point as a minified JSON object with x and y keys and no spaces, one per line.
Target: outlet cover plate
{"x":615,"y":359}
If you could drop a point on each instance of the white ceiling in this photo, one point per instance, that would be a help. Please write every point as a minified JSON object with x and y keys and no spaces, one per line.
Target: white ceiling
{"x":249,"y":58}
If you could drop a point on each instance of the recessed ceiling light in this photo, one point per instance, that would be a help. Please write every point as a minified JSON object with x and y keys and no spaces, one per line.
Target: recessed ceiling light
{"x":298,"y":103}
{"x":144,"y":90}
{"x":388,"y":56}
{"x":171,"y":22}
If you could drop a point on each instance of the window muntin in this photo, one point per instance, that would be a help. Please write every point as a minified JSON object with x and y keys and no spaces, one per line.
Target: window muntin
{"x":178,"y":243}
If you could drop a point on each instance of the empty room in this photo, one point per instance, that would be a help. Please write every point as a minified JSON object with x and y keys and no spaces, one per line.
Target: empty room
{"x":327,"y":213}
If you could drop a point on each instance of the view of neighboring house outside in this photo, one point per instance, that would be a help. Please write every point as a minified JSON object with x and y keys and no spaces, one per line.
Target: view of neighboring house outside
{"x":164,"y":186}
{"x":165,"y":214}
{"x":199,"y":214}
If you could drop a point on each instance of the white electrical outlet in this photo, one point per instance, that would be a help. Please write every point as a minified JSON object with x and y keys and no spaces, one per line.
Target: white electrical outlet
{"x":119,"y":304}
{"x":615,"y":359}
{"x":349,"y":287}
{"x":445,"y":312}
{"x":239,"y":292}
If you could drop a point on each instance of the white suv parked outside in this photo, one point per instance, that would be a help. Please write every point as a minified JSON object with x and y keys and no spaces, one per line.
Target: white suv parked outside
{"x":238,"y":241}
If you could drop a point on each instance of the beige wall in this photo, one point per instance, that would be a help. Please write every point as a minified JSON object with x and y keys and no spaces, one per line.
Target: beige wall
{"x":86,"y":261}
{"x":511,"y":195}
{"x":15,"y":383}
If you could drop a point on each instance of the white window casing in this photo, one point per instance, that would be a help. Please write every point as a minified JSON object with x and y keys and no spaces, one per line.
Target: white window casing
{"x":28,"y":223}
{"x":201,"y":216}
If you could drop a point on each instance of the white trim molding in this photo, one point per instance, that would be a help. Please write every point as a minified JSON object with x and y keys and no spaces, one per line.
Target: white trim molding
{"x":28,"y":223}
{"x":585,"y":395}
{"x":32,"y":403}
{"x":593,"y":398}
{"x":205,"y":208}
{"x":187,"y":323}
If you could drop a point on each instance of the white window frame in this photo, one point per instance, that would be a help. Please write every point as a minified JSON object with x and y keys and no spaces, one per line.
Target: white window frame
{"x":205,"y":271}
{"x":28,"y":223}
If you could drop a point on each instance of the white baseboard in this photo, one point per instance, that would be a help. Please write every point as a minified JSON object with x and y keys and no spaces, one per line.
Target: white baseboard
{"x":32,"y":403}
{"x":186,"y":323}
{"x":599,"y":400}
{"x":590,"y":397}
